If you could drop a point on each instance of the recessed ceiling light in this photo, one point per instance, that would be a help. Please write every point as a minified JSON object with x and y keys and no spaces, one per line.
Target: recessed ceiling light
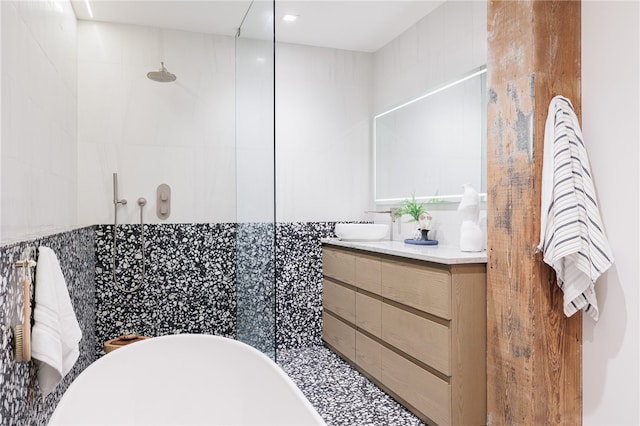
{"x":289,"y":18}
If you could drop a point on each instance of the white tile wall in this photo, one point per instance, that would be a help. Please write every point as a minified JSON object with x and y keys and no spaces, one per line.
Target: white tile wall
{"x":38,"y":119}
{"x":324,"y":110}
{"x":254,"y":131}
{"x":183,"y":133}
{"x":446,"y":44}
{"x":323,"y":121}
{"x":150,"y":133}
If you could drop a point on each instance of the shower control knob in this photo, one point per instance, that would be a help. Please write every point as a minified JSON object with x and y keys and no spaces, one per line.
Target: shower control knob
{"x":142,"y":201}
{"x":163,"y":201}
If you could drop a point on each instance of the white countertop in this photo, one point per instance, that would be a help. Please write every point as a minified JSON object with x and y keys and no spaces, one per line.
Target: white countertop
{"x":437,"y":254}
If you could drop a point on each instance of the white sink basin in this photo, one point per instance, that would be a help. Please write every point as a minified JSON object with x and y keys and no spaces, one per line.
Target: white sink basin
{"x":362,"y":231}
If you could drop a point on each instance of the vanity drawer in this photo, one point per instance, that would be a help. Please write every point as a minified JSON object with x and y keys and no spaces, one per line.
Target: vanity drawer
{"x":368,"y":353}
{"x":426,"y":392}
{"x":368,"y":273}
{"x":339,"y":265}
{"x":339,"y":335}
{"x":422,"y":287}
{"x":416,"y":328}
{"x":339,"y":300}
{"x":369,"y":314}
{"x":419,"y":337}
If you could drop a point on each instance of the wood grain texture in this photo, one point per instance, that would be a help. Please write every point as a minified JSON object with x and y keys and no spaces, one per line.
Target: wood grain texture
{"x":419,"y":286}
{"x":368,"y":273}
{"x":339,"y":335}
{"x":534,"y":353}
{"x":369,"y":314}
{"x":423,"y":390}
{"x":339,"y":264}
{"x":418,"y":337}
{"x":339,"y":300}
{"x":468,"y":340}
{"x":368,"y":355}
{"x":435,"y":367}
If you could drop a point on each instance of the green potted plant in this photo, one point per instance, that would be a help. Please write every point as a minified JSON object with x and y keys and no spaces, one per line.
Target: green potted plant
{"x":419,"y":214}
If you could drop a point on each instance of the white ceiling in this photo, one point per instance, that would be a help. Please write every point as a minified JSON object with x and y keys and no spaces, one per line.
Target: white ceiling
{"x":362,"y":25}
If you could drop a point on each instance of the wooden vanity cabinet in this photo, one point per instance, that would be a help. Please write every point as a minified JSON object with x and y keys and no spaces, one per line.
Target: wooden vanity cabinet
{"x":417,"y":329}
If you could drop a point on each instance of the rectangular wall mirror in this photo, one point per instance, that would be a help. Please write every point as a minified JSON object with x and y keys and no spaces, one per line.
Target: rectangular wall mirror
{"x":433,"y":144}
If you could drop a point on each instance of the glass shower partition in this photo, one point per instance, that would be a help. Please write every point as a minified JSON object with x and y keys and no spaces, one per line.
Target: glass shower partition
{"x":255,"y":179}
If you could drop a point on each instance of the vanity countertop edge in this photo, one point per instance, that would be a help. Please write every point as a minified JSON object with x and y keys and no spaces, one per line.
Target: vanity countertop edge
{"x":437,"y":254}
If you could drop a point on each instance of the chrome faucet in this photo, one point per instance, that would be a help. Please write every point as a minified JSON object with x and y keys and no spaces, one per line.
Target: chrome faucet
{"x":393,"y":212}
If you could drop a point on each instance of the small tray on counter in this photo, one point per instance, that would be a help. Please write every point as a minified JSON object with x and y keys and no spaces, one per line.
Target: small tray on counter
{"x":421,"y":242}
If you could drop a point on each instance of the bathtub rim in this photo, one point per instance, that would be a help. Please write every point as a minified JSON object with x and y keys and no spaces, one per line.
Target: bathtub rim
{"x":125,"y":350}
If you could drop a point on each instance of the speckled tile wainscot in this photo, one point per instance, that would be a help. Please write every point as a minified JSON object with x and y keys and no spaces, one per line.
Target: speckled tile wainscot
{"x":256,"y":289}
{"x":299,"y":282}
{"x":188,"y":284}
{"x":341,"y":395}
{"x":20,"y":400}
{"x":177,"y":260}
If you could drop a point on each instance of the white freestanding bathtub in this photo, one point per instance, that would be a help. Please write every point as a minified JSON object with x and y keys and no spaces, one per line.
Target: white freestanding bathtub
{"x":184,"y":379}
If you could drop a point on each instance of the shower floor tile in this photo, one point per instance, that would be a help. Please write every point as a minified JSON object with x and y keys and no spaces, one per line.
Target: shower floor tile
{"x":341,"y":395}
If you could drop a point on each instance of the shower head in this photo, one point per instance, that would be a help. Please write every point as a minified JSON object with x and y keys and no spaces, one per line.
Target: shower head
{"x":162,"y":76}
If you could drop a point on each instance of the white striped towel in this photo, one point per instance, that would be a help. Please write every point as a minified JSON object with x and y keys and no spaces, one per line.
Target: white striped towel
{"x":572,"y":237}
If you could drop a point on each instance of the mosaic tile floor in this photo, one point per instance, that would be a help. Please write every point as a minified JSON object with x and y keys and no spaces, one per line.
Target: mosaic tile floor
{"x":342,"y":396}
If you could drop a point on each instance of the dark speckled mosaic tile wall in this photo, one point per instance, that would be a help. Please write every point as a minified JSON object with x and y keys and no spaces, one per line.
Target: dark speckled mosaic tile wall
{"x":255,"y":286}
{"x":190,"y":282}
{"x":188,"y":285}
{"x":299,"y":282}
{"x":20,"y":399}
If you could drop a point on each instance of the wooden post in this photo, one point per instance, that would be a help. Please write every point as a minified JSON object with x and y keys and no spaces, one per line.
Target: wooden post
{"x":534,"y":353}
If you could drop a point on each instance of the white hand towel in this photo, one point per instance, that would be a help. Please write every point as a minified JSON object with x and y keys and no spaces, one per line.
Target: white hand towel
{"x":56,"y":333}
{"x":571,"y":232}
